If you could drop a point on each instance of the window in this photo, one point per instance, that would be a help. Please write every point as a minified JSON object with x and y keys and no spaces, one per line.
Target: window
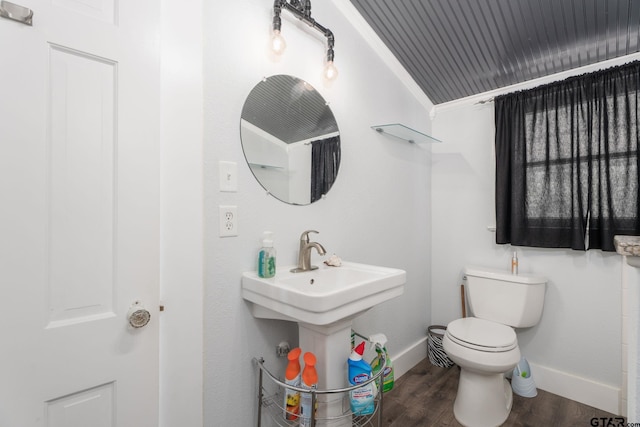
{"x":567,"y":162}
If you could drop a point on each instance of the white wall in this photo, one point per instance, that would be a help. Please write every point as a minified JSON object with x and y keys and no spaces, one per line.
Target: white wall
{"x":299,"y":172}
{"x":578,"y":340}
{"x":377,"y":212}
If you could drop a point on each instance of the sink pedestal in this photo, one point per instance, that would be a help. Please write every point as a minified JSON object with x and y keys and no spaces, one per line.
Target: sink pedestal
{"x":331,"y":345}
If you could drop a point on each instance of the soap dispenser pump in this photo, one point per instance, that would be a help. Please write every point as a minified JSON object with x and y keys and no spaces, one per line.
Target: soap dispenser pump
{"x":267,"y":257}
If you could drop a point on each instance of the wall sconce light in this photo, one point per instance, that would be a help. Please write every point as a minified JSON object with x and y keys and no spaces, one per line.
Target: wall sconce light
{"x":302,"y":10}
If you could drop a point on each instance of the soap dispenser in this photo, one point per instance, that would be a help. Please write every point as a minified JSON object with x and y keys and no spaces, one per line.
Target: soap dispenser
{"x":267,"y":257}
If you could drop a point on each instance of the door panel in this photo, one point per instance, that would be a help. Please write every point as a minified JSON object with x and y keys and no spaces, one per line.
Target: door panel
{"x":81,"y":192}
{"x":94,"y":407}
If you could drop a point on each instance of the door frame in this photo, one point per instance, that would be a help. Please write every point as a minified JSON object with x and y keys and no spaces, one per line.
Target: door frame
{"x":181,"y":222}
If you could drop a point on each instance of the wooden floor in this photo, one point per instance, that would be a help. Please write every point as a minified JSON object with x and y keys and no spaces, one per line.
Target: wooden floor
{"x":424,"y":397}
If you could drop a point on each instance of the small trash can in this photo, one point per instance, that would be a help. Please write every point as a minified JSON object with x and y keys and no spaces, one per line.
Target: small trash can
{"x":437,"y":355}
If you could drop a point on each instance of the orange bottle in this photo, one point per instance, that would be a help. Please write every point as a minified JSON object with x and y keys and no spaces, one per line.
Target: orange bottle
{"x":292,"y":377}
{"x":309,"y":381}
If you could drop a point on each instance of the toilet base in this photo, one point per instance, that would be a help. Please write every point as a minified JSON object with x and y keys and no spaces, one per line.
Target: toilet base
{"x":482,"y":400}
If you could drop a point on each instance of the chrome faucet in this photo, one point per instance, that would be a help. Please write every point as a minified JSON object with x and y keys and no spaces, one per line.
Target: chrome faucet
{"x":304,"y":253}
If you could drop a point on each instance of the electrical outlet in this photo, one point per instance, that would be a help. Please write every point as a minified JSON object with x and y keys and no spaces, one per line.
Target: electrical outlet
{"x":228,"y":221}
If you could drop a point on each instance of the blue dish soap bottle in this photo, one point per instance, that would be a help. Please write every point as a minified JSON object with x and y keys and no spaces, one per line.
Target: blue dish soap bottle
{"x":267,"y":257}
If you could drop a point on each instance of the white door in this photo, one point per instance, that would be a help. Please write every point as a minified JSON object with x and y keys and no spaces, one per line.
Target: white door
{"x":79,"y":214}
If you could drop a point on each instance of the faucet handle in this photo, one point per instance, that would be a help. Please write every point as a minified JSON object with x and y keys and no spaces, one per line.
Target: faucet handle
{"x":304,"y":237}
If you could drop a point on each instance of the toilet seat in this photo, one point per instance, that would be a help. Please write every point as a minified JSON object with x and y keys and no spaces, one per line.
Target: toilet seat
{"x":482,"y":335}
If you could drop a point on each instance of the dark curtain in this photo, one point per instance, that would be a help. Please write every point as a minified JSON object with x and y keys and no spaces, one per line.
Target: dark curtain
{"x":567,"y":162}
{"x":325,"y":161}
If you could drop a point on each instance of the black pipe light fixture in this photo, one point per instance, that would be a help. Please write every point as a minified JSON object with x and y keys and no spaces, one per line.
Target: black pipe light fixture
{"x":301,"y":9}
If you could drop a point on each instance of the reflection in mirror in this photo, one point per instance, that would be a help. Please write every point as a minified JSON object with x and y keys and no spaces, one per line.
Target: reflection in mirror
{"x":290,"y":139}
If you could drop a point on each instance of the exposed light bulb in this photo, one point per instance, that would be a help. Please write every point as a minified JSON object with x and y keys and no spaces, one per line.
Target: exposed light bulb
{"x":278,"y":45}
{"x":330,"y":71}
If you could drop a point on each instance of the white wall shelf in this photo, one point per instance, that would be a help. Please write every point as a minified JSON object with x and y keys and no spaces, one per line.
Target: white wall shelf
{"x":404,"y":132}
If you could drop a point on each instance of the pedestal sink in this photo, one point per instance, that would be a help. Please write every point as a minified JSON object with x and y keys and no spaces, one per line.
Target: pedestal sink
{"x":324,"y":303}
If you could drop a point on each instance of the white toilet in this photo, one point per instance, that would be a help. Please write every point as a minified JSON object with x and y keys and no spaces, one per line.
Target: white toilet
{"x":485,"y":345}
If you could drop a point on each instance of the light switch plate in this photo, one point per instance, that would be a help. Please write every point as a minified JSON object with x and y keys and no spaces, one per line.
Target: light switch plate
{"x":228,"y":176}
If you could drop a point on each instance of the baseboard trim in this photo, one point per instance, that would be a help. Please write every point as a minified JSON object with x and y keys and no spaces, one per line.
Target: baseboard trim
{"x":409,"y":357}
{"x":583,"y":390}
{"x":602,"y":396}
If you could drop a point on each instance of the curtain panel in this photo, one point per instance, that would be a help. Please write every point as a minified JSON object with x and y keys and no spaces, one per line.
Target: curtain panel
{"x":325,"y":162}
{"x":567,"y":162}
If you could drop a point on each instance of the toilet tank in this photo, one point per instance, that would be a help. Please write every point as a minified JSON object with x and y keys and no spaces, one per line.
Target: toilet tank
{"x":511,"y":299}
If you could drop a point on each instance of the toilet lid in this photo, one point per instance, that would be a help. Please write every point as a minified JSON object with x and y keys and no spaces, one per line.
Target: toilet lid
{"x":482,"y":335}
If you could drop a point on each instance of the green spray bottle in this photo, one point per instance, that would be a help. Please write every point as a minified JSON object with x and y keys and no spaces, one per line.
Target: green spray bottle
{"x":376,"y":363}
{"x":387,"y":376}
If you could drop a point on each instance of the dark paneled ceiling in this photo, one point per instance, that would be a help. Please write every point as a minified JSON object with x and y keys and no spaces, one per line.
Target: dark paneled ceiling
{"x":457,"y":48}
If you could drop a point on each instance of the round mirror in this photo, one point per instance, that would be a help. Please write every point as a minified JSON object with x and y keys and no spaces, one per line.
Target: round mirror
{"x":290,"y":139}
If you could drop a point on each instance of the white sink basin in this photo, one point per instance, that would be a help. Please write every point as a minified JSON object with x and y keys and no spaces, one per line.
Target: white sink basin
{"x":323,"y":296}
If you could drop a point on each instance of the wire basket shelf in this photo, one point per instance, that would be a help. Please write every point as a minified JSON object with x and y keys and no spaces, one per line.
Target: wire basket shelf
{"x":271,"y":409}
